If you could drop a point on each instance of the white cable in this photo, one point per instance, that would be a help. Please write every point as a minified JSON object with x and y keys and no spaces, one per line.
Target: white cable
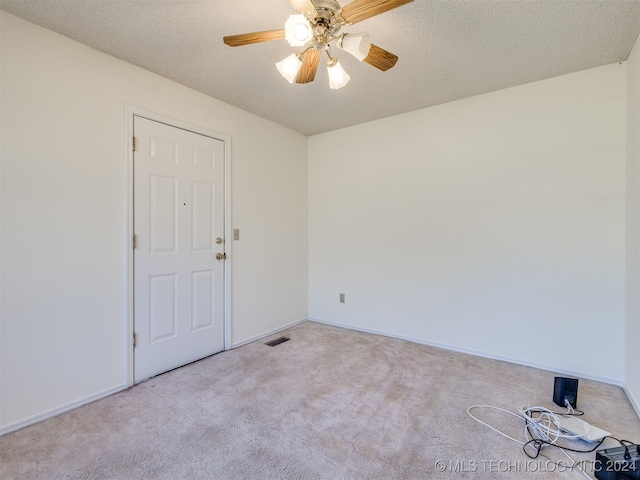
{"x":493,"y":428}
{"x":544,"y":426}
{"x":570,"y":409}
{"x":575,"y":464}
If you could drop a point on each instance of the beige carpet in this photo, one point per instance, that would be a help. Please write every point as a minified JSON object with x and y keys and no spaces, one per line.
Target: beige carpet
{"x":328,"y":404}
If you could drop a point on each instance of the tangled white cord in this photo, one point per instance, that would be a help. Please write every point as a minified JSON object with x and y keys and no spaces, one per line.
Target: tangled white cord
{"x":545,"y":426}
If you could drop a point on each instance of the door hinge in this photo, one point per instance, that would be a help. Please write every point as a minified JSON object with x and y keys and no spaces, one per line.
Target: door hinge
{"x":135,"y":340}
{"x":133,"y":241}
{"x":134,"y":144}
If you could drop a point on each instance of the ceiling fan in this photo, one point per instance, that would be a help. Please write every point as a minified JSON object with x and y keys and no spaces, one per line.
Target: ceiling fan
{"x":316,"y":25}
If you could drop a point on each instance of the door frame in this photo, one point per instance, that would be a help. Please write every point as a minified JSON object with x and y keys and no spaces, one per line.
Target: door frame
{"x":129,"y":113}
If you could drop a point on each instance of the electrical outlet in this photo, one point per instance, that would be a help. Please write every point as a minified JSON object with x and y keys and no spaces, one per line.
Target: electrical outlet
{"x":342,"y":298}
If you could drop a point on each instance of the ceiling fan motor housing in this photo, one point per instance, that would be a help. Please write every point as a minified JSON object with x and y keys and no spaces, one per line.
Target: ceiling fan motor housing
{"x":327,"y":14}
{"x":327,"y":5}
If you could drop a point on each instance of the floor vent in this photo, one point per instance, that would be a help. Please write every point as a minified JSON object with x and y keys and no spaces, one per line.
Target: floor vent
{"x":277,"y":341}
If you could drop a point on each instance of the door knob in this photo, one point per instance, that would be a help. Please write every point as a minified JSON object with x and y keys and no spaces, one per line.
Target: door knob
{"x":221,"y":256}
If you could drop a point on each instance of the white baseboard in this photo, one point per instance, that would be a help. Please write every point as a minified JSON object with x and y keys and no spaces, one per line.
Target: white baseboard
{"x":100,"y":395}
{"x":586,"y":375}
{"x":266,"y":334}
{"x":57,"y":411}
{"x":105,"y":393}
{"x":635,"y":402}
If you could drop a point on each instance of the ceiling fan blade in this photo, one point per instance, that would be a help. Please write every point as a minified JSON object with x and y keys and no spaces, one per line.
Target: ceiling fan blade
{"x":360,"y":10}
{"x":304,"y":6}
{"x":380,"y":58}
{"x":309,"y":66}
{"x":254,"y":37}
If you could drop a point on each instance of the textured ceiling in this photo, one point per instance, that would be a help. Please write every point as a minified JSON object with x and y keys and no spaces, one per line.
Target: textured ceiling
{"x":448,"y":49}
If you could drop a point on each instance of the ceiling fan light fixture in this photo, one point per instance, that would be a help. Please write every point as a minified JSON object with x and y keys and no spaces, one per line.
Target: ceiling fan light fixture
{"x":297,"y":30}
{"x":290,"y":66}
{"x":314,"y":28}
{"x":357,"y":44}
{"x":338,"y":78}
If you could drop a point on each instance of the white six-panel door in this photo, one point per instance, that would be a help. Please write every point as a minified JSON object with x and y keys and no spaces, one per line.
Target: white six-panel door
{"x":178,"y":216}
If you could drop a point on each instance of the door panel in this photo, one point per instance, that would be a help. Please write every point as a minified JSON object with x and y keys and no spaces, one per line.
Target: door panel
{"x":203,"y":295}
{"x":163,"y":214}
{"x":162,"y":301}
{"x":203,"y":217}
{"x":178,"y":214}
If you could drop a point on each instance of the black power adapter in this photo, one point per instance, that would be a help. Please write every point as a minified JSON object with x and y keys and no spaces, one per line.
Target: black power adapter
{"x":565,"y":389}
{"x":619,"y":463}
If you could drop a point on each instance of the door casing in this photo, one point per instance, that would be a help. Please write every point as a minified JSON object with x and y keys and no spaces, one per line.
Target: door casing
{"x":129,"y":113}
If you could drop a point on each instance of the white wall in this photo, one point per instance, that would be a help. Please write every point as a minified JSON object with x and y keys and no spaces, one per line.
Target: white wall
{"x":632,"y":333}
{"x":493,"y":225}
{"x":63,"y":217}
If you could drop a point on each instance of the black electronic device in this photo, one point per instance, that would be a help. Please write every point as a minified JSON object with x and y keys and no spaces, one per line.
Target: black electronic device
{"x":619,"y":463}
{"x":565,"y":389}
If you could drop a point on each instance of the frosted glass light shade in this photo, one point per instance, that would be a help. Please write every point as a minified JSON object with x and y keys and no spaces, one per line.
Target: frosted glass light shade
{"x":338,"y":78}
{"x":357,"y":44}
{"x":289,"y":67}
{"x":297,"y":30}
